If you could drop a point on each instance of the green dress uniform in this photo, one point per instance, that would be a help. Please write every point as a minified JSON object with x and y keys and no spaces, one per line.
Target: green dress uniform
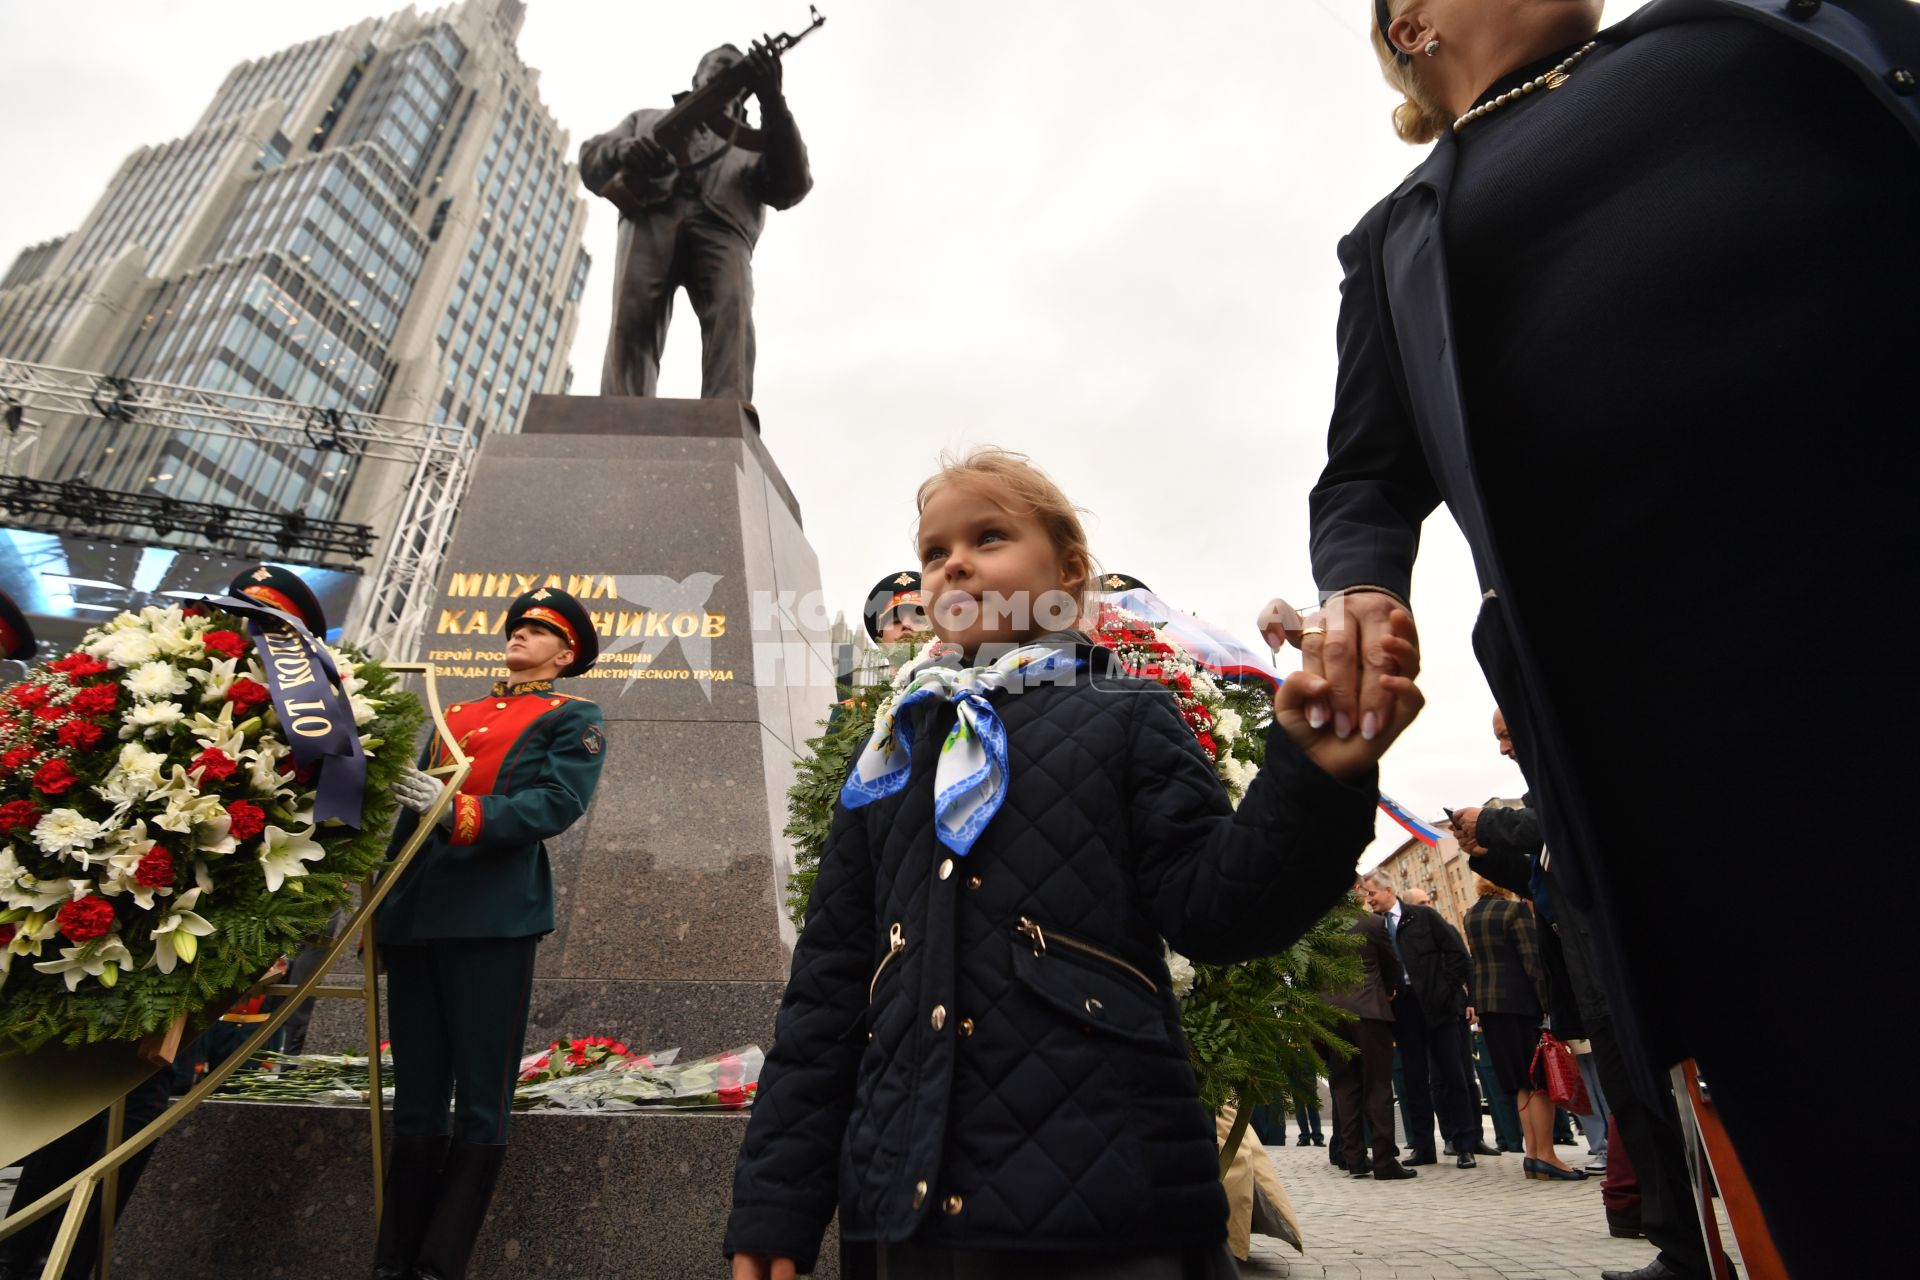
{"x":458,"y":935}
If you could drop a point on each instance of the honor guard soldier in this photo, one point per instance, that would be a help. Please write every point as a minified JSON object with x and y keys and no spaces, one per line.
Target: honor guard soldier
{"x":895,"y":608}
{"x":282,"y":589}
{"x":458,"y":932}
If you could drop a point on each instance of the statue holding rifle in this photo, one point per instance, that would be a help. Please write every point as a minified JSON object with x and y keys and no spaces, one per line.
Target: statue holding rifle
{"x":693,"y":183}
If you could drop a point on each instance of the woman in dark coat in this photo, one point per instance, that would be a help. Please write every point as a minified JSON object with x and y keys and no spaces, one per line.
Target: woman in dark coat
{"x":1510,"y":998}
{"x":1644,"y":320}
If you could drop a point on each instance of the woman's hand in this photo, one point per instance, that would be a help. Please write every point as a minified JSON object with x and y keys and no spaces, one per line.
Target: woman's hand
{"x":1348,"y":756}
{"x":1344,"y":644}
{"x":761,"y":1266}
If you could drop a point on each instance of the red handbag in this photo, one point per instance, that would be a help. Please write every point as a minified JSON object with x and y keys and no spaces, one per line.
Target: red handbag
{"x":1553,"y":1062}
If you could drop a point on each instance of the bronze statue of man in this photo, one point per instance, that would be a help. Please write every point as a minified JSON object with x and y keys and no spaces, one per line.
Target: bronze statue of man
{"x":692,"y":203}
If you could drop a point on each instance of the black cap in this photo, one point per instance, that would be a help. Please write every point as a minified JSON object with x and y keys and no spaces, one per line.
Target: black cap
{"x":889,"y":594}
{"x":561,"y":614}
{"x":1111,"y":582}
{"x":282,"y":589}
{"x":16,"y":634}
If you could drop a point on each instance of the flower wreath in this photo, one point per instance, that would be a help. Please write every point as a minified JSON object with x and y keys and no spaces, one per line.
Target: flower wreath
{"x":158,"y":849}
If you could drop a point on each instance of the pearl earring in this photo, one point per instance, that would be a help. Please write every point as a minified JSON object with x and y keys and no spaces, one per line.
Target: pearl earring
{"x":1433,"y":47}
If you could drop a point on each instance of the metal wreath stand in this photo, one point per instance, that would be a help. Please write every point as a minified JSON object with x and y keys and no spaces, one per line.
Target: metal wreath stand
{"x":104,"y":1071}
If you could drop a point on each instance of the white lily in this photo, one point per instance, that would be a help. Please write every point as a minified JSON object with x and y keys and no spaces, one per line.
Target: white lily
{"x":284,"y":854}
{"x":216,"y":678}
{"x":364,"y":708}
{"x":215,"y":838}
{"x":176,"y":939}
{"x":186,"y":807}
{"x":263,"y":769}
{"x":102,"y":958}
{"x":152,"y":681}
{"x":124,"y":851}
{"x":35,"y":894}
{"x":218,"y":732}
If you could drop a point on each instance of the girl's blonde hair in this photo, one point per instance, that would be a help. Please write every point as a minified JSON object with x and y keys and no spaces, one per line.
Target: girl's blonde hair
{"x":1421,"y":118}
{"x":1023,"y":489}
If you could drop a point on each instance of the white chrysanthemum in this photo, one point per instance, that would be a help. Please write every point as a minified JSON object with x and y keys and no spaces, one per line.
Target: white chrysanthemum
{"x":1226,"y":725}
{"x":62,"y":831}
{"x":284,"y":854}
{"x":130,"y":648}
{"x":1179,"y":974}
{"x":148,"y":718}
{"x":151,"y":680}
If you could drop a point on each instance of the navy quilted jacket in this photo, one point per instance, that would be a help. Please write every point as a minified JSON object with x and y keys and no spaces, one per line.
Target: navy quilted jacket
{"x":985,"y":1050}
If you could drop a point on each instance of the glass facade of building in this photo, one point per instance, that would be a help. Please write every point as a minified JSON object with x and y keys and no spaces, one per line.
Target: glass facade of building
{"x":305,"y":264}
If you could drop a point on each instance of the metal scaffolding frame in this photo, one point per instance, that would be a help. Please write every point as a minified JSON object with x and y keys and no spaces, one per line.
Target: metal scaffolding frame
{"x":435,"y":458}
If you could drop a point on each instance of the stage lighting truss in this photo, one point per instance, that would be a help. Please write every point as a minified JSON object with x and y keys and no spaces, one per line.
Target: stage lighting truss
{"x":424,"y":468}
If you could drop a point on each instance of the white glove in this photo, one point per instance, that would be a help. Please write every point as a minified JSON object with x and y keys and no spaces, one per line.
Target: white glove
{"x":417,"y":790}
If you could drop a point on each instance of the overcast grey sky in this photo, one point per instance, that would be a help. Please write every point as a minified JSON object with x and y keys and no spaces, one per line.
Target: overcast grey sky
{"x":1098,"y":231}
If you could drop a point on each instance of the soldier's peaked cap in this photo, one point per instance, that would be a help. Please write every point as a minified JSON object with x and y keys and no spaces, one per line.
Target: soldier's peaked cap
{"x":16,"y":636}
{"x":889,"y":594}
{"x":1121,"y":582}
{"x":281,"y":589}
{"x":560,"y":613}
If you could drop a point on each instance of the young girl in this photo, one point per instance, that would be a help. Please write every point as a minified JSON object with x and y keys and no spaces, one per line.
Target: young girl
{"x":978,"y":1059}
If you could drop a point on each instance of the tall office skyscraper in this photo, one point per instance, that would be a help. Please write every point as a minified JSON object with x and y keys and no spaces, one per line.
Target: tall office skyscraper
{"x":381,"y":220}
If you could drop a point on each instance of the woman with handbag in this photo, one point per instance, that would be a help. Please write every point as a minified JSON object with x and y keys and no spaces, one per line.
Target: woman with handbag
{"x":1510,"y":995}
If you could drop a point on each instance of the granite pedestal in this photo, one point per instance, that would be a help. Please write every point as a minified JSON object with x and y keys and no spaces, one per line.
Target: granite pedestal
{"x":249,"y":1191}
{"x":672,"y":524}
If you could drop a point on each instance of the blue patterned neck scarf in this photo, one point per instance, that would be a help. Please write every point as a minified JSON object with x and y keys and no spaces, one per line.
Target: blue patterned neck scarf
{"x":970,"y":782}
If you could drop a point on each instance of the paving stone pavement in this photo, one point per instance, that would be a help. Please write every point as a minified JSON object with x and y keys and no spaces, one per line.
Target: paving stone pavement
{"x":1489,"y":1223}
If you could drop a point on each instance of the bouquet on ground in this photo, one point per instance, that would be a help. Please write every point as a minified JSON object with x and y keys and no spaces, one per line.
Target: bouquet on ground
{"x":164,"y":835}
{"x":593,"y":1073}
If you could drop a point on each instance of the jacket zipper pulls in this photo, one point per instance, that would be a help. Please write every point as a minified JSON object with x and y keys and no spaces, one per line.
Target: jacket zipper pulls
{"x":896,"y":943}
{"x":1033,"y":931}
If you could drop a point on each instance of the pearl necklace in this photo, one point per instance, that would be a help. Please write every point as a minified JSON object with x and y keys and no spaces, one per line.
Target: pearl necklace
{"x":1547,"y":80}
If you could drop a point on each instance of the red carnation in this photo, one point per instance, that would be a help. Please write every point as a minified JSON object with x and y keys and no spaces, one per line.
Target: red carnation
{"x":218,"y":765}
{"x":29,"y":695}
{"x":6,"y":934}
{"x":192,"y":611}
{"x":51,"y":713}
{"x":55,"y":777}
{"x":245,"y":820}
{"x":18,"y":815}
{"x":247,"y":694}
{"x":1212,"y":747}
{"x":96,"y":701}
{"x":155,"y":869}
{"x":228,"y":644}
{"x":87,"y":919}
{"x":18,"y":758}
{"x":80,"y":733}
{"x":78,"y":666}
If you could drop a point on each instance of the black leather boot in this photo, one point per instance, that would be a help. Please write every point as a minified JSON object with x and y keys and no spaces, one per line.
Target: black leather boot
{"x":466,"y":1188}
{"x":413,"y":1178}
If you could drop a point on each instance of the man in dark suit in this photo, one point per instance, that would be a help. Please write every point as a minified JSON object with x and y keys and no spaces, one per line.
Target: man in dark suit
{"x":1362,"y":1083}
{"x":1431,"y":1023}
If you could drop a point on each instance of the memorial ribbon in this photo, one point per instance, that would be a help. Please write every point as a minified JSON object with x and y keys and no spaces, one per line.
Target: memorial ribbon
{"x":314,"y":710}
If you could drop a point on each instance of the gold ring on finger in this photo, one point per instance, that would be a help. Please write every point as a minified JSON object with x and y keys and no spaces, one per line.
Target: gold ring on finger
{"x":1312,"y":631}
